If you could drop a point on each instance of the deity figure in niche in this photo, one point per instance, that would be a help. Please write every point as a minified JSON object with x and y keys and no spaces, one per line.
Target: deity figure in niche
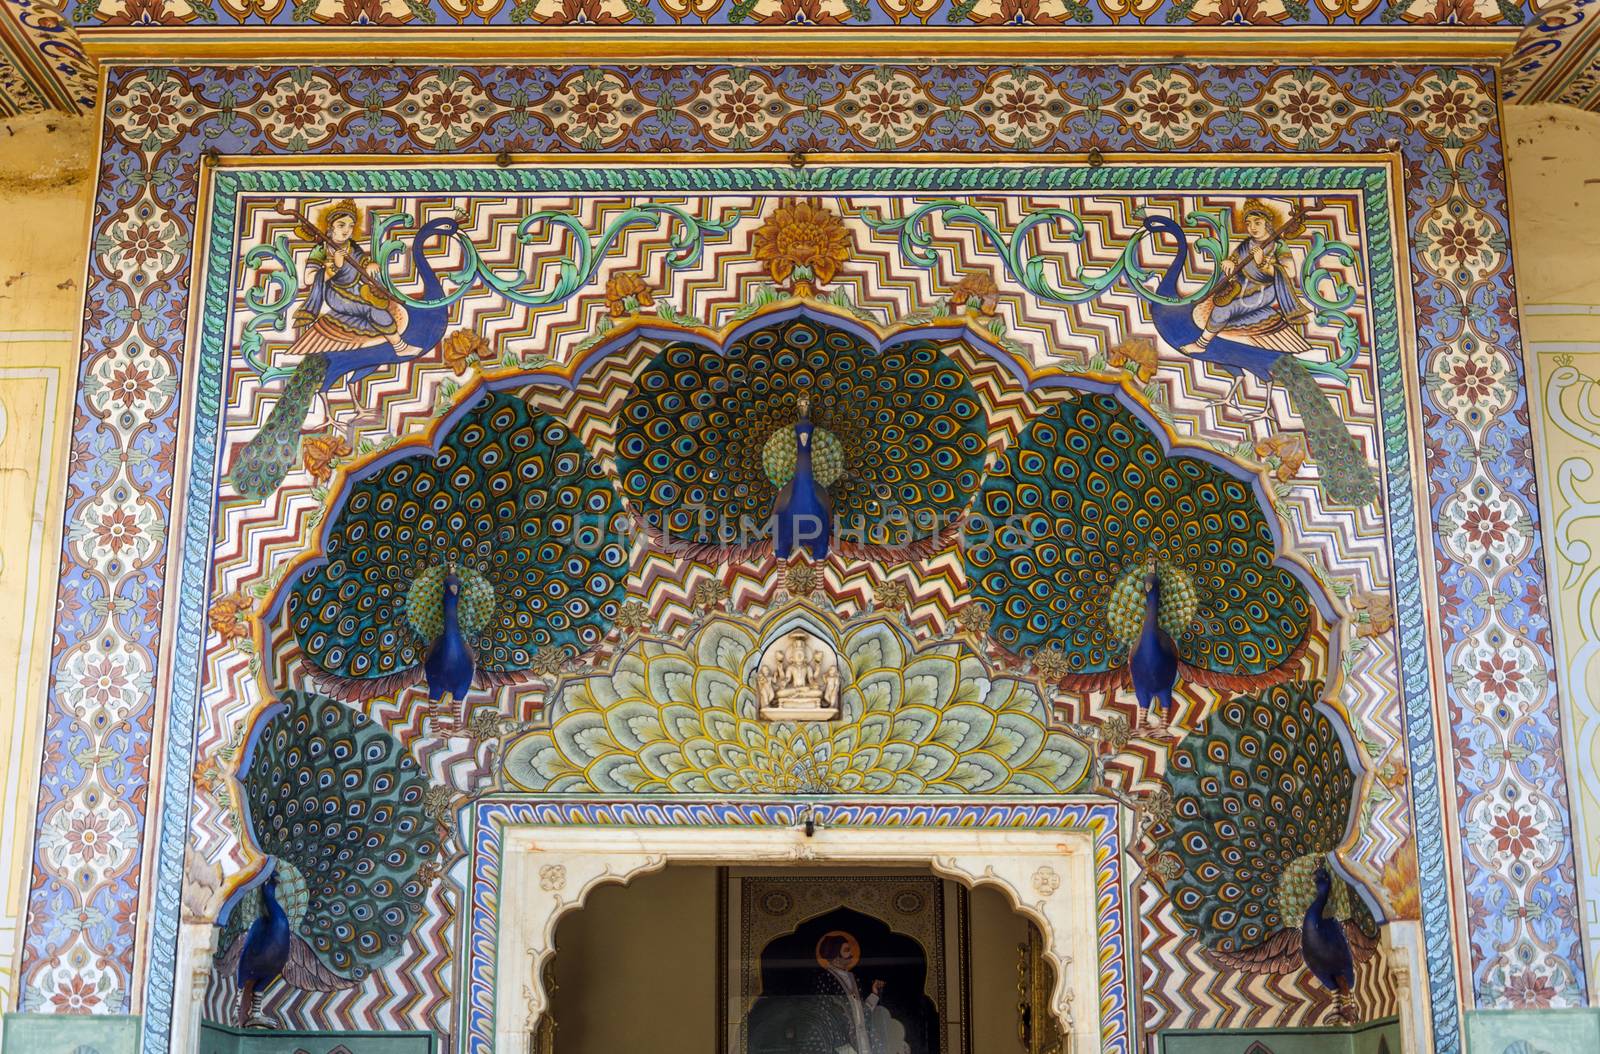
{"x":1257,"y":301}
{"x":798,"y":679}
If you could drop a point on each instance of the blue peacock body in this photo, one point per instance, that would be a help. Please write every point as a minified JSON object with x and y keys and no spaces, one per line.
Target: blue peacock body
{"x":707,"y":440}
{"x":1083,"y":507}
{"x":337,"y":804}
{"x":512,"y":505}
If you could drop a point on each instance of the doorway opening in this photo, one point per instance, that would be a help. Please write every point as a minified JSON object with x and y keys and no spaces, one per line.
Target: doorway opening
{"x":697,"y":959}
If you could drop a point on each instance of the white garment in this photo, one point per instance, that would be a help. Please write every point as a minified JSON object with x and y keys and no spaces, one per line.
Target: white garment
{"x":859,"y":1010}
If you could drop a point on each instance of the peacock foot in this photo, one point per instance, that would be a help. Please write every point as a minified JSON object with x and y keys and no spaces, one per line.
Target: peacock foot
{"x":262,"y":1021}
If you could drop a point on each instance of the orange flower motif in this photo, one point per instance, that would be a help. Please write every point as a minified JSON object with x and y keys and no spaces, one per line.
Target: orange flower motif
{"x":1289,"y":448}
{"x":319,"y":454}
{"x":975,"y":286}
{"x":228,"y":616}
{"x":1141,"y":352}
{"x":1379,"y":611}
{"x":1400,"y":883}
{"x":804,"y":241}
{"x":461,"y":348}
{"x":623,"y":287}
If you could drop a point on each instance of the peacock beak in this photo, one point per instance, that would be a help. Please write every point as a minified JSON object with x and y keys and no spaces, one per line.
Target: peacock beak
{"x":805,"y":439}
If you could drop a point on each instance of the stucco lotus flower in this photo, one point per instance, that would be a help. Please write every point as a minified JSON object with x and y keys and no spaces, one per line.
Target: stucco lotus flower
{"x":672,"y":719}
{"x":803,"y":241}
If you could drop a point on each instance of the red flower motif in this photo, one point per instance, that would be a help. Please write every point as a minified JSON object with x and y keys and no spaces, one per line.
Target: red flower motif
{"x":75,"y":997}
{"x":1303,"y":107}
{"x":448,"y":108}
{"x":117,"y":531}
{"x":142,"y":244}
{"x":740,"y":107}
{"x":883,"y":106}
{"x":593,"y":107}
{"x":1528,"y":990}
{"x":153,"y":111}
{"x":1450,"y":107}
{"x":130,"y":384}
{"x":1459,"y":242}
{"x":1513,"y":833}
{"x":103,"y":681}
{"x":1498,"y":676}
{"x":1473,"y":382}
{"x":299,"y":109}
{"x":1165,"y":107}
{"x":1485,"y":526}
{"x":89,"y":836}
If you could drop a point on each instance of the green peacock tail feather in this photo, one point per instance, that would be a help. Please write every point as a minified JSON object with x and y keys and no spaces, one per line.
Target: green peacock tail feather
{"x":338,"y":802}
{"x":1074,"y":514}
{"x":270,"y":454}
{"x":515,"y":502}
{"x":1347,"y":476}
{"x":901,"y":437}
{"x":1259,"y":801}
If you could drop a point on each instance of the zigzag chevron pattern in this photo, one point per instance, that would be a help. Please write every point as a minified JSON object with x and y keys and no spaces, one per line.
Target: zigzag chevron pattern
{"x":537,"y":350}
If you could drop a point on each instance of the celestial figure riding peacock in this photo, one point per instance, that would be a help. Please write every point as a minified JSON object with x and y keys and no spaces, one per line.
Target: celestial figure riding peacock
{"x":1111,"y":563}
{"x":348,"y":327}
{"x":503,"y":552}
{"x":1256,"y":334}
{"x":336,"y":805}
{"x":1262,"y":801}
{"x":801,"y":436}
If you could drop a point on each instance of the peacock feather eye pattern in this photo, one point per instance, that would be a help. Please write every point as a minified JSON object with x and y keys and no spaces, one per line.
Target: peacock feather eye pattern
{"x":1260,"y":799}
{"x":516,"y":505}
{"x":337,"y":802}
{"x":1083,"y":506}
{"x":706,"y":440}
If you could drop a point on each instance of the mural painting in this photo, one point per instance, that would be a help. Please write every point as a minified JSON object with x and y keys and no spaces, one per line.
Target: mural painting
{"x":954,"y":446}
{"x":1087,"y":481}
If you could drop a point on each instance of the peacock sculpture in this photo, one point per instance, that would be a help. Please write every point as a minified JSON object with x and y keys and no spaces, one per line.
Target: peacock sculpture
{"x":267,"y":458}
{"x":725,"y":453}
{"x":1153,"y":662}
{"x":336,"y":804}
{"x":501,"y":552}
{"x":1261,"y":802}
{"x":1085,"y":525}
{"x":1346,"y":475}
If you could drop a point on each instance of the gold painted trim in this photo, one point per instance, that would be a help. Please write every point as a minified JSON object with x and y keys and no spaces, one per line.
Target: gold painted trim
{"x":284,"y":45}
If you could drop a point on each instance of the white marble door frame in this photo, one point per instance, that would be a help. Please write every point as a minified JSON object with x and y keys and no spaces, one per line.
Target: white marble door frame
{"x":548,"y":871}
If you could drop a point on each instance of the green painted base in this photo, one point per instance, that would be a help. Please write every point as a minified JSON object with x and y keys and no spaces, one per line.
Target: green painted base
{"x":70,"y":1034}
{"x":222,"y":1039}
{"x":1537,"y":1031}
{"x":1374,"y":1037}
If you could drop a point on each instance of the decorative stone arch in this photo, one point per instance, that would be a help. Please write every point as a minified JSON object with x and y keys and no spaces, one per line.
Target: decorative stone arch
{"x":1058,"y":861}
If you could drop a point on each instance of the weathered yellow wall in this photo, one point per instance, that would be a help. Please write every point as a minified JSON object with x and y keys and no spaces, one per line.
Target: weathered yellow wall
{"x":45,"y":201}
{"x":1554,"y":162}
